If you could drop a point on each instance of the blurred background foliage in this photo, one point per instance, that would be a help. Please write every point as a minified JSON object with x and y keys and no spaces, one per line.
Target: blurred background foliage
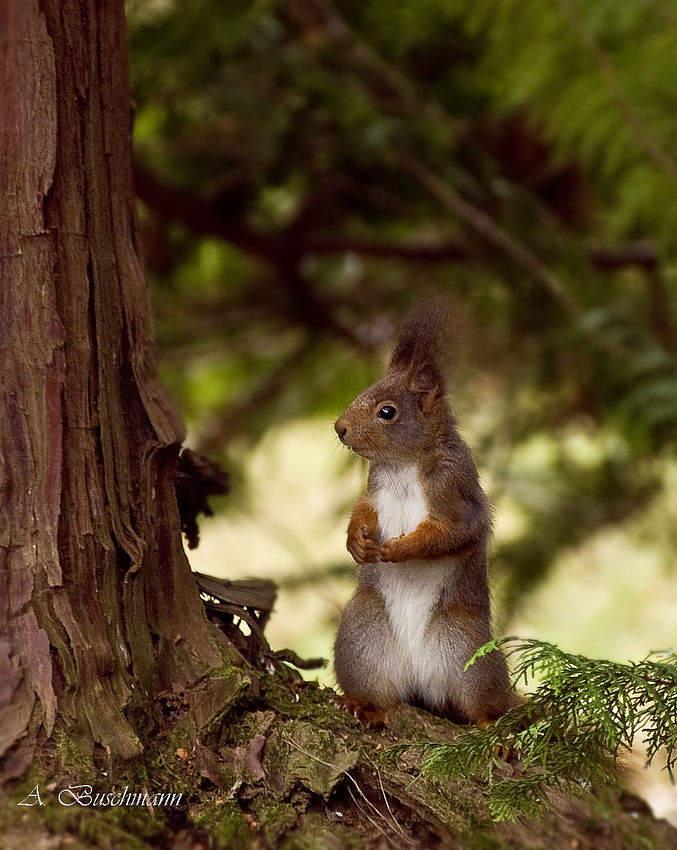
{"x":308,"y":168}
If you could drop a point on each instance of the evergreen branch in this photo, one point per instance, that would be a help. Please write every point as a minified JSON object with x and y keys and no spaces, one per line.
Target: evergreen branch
{"x":388,"y":75}
{"x":568,"y":733}
{"x":641,"y":135}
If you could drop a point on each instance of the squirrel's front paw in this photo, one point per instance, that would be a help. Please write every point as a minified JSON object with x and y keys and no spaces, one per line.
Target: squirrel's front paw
{"x":363,"y":548}
{"x":393,"y":550}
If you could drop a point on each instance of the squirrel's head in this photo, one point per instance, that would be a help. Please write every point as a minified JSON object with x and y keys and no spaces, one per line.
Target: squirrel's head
{"x":402,"y":415}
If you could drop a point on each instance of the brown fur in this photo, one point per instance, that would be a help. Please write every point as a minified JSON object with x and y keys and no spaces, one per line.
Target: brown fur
{"x":363,"y":532}
{"x":420,"y":532}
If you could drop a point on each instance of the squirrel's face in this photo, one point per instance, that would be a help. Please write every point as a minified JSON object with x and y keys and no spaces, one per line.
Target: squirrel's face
{"x":384,"y":423}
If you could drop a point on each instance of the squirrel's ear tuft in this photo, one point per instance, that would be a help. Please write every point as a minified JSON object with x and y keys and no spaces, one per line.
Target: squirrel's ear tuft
{"x":426,"y":380}
{"x":422,"y":346}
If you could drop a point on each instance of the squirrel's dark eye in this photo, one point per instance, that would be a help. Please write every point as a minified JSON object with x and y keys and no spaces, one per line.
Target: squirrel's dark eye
{"x":387,"y":412}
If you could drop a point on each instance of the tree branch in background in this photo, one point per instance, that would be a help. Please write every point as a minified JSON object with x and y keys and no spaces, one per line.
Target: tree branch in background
{"x":639,"y":254}
{"x":448,"y":251}
{"x":659,"y":302}
{"x":203,"y":217}
{"x":283,"y":252}
{"x":321,"y":206}
{"x":200,"y":216}
{"x":492,"y":233}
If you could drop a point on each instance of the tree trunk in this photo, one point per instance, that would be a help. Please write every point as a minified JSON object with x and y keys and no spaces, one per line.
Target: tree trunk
{"x":98,"y":611}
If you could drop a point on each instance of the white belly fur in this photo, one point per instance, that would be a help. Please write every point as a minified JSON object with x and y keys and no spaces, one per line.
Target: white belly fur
{"x":410,"y":589}
{"x":400,"y":503}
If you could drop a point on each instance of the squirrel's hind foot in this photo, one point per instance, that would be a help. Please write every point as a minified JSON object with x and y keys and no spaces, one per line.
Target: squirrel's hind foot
{"x":372,"y":718}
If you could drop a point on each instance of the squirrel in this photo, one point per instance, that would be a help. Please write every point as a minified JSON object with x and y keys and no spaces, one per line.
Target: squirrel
{"x":420,"y":536}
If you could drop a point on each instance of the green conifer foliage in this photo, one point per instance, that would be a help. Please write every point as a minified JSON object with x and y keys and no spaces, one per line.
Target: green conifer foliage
{"x":569,"y":732}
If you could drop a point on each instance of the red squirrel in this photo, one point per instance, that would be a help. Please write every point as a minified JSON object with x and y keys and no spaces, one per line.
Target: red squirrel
{"x":420,"y":535}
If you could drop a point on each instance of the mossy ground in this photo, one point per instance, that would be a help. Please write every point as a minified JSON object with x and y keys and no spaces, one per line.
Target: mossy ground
{"x":285,"y":768}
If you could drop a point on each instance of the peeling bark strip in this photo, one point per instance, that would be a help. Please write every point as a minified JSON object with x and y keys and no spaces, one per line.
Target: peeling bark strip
{"x":96,"y":598}
{"x":31,"y":374}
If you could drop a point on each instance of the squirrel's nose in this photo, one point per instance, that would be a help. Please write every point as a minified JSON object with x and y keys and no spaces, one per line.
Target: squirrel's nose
{"x":341,"y":430}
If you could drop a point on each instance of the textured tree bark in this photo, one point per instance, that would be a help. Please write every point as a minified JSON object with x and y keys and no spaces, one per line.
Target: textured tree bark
{"x":98,"y":610}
